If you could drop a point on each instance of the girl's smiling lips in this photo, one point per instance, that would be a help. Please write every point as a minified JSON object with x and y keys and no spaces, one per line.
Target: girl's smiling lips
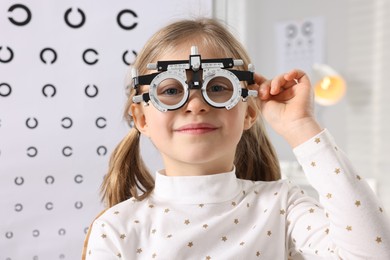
{"x":200,"y":128}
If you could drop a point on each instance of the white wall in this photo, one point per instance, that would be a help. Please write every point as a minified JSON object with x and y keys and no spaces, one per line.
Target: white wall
{"x":254,"y":22}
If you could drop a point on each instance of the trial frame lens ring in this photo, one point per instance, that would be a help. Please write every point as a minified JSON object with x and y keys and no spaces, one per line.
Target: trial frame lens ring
{"x":179,"y":76}
{"x":209,"y":75}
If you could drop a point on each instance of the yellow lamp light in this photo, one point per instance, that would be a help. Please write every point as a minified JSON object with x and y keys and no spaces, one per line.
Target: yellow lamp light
{"x":330,"y":87}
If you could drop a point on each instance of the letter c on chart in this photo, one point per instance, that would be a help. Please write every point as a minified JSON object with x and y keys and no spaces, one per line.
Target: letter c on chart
{"x":90,"y":93}
{"x":49,"y":206}
{"x":53,"y":90}
{"x":32,"y":151}
{"x":23,"y":7}
{"x":66,"y":122}
{"x":42,"y":55}
{"x":119,"y":19}
{"x":5,"y":90}
{"x":19,"y":181}
{"x":18,"y":207}
{"x":99,"y":124}
{"x":101,"y":150}
{"x":11,"y":55}
{"x":74,"y":26}
{"x":78,"y":205}
{"x":124,"y":57}
{"x":31,"y":123}
{"x":67,"y":151}
{"x":49,"y":179}
{"x":78,"y":178}
{"x":90,"y":62}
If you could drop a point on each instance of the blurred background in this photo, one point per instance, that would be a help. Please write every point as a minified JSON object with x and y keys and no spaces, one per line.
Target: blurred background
{"x":62,"y":73}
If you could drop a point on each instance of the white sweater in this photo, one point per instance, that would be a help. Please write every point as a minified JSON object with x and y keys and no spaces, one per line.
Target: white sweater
{"x":222,"y":217}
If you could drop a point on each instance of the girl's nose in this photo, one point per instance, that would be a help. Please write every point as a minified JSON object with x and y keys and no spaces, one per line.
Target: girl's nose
{"x":196,"y":103}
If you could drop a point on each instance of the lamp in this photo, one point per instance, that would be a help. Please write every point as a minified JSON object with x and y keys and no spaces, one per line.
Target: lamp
{"x":330,"y":87}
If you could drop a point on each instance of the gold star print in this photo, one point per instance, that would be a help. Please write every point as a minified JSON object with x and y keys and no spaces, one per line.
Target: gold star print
{"x":317,"y":140}
{"x":190,"y":244}
{"x":269,"y":233}
{"x":224,"y":239}
{"x":116,"y":212}
{"x":136,"y":221}
{"x":123,"y":236}
{"x":313,"y":164}
{"x":234,"y":203}
{"x":119,"y":255}
{"x":236,"y":221}
{"x":247,"y":205}
{"x":243,"y":192}
{"x":103,"y":235}
{"x":357,"y":203}
{"x":205,"y":226}
{"x":242,"y":243}
{"x":311,"y":210}
{"x":337,"y":170}
{"x":348,"y":228}
{"x":380,"y":209}
{"x":139,"y":250}
{"x":358,"y":177}
{"x":154,"y":255}
{"x":256,"y":192}
{"x":153,"y":231}
{"x":187,"y":221}
{"x":151,"y":206}
{"x":378,"y":240}
{"x":169,"y":236}
{"x":208,"y":257}
{"x":282,"y":212}
{"x":166,"y":210}
{"x":276,"y":193}
{"x":327,"y":231}
{"x":201,"y":205}
{"x":308,"y":228}
{"x":89,"y":252}
{"x":329,"y":195}
{"x":103,"y":225}
{"x":257,"y":253}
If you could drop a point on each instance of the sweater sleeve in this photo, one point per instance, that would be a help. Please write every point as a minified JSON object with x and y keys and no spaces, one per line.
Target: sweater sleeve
{"x":349,"y":222}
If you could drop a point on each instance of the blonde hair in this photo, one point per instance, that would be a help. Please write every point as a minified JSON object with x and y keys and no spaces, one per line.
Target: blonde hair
{"x":255,"y":157}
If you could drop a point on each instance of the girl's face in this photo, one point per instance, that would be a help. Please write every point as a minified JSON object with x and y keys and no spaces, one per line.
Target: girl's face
{"x":196,"y":139}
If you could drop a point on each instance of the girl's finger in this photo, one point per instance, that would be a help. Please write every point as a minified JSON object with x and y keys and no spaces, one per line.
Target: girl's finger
{"x":264,"y":90}
{"x":277,"y":84}
{"x":259,"y":79}
{"x":298,"y":75}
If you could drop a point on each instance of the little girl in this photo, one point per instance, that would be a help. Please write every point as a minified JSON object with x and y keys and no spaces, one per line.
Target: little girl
{"x":219,"y":195}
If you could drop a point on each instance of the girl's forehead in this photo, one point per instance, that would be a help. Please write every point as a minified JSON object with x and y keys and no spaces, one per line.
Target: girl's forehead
{"x":182,"y":52}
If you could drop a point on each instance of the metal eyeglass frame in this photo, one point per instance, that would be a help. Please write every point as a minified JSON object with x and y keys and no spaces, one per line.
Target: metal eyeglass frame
{"x":176,"y":69}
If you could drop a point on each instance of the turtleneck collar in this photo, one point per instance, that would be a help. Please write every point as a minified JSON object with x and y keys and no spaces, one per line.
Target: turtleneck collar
{"x":203,"y":189}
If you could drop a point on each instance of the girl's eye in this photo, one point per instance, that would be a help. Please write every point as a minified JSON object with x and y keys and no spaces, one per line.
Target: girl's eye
{"x":216,"y":88}
{"x":171,"y":91}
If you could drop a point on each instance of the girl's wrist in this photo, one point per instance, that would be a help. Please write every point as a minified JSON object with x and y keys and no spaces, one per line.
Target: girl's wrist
{"x":302,"y":131}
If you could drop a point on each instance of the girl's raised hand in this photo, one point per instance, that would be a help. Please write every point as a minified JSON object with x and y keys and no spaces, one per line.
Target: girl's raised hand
{"x":287,"y":104}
